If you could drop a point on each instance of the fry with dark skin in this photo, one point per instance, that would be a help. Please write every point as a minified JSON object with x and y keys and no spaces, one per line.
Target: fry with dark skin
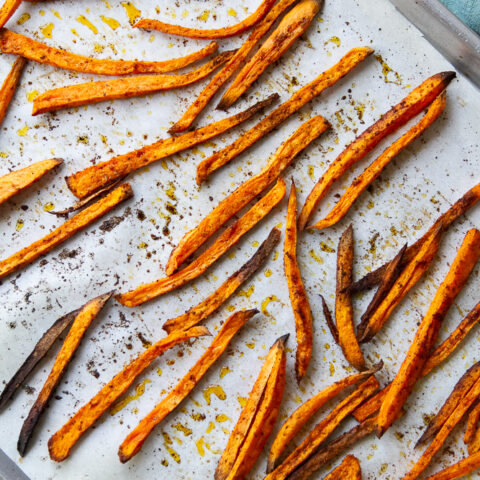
{"x":292,"y":25}
{"x":9,"y":7}
{"x":224,"y":242}
{"x":89,"y":180}
{"x":226,"y":290}
{"x":472,"y":425}
{"x":307,"y":93}
{"x":61,"y":443}
{"x":388,"y":123}
{"x":459,"y":469}
{"x":10,"y":85}
{"x":328,"y":318}
{"x":83,"y":319}
{"x":135,"y":439}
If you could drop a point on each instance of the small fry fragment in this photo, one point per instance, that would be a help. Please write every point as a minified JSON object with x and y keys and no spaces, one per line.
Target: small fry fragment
{"x":210,"y":304}
{"x":82,"y":321}
{"x":349,"y":468}
{"x":292,"y":25}
{"x":11,"y":42}
{"x":10,"y":85}
{"x":225,"y":241}
{"x":61,"y":443}
{"x":326,"y":79}
{"x":328,"y":318}
{"x":472,"y":425}
{"x":89,"y":180}
{"x":135,"y":439}
{"x":14,"y":182}
{"x":9,"y":7}
{"x":460,"y":469}
{"x":388,"y":123}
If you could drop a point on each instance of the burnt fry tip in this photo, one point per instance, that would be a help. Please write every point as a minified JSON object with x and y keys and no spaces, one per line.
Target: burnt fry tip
{"x":283,"y":339}
{"x":448,"y":76}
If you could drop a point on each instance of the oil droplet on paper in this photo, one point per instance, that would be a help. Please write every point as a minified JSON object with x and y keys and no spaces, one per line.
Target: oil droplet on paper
{"x":85,"y":21}
{"x":47,"y":30}
{"x":132,"y":11}
{"x":216,"y":390}
{"x":139,"y":391}
{"x":111,"y":22}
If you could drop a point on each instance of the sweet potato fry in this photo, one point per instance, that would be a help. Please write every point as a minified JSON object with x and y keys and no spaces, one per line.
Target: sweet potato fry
{"x":388,"y":123}
{"x":474,"y":443}
{"x":9,"y":7}
{"x":11,"y":42}
{"x":371,"y":406}
{"x":372,"y":172}
{"x":349,"y":468}
{"x":281,"y":113}
{"x":328,"y":318}
{"x":411,"y":369}
{"x":14,"y":182}
{"x":90,"y":179}
{"x":460,"y":469}
{"x":225,"y":241}
{"x":303,"y":413}
{"x":65,"y":231}
{"x":135,"y":439}
{"x":212,"y":33}
{"x":292,"y":25}
{"x":257,"y":418}
{"x":62,"y":442}
{"x":210,"y":304}
{"x":82,"y":321}
{"x":10,"y":85}
{"x":472,"y":425}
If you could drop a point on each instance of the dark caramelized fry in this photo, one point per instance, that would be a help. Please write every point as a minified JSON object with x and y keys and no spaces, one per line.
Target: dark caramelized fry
{"x":328,"y":318}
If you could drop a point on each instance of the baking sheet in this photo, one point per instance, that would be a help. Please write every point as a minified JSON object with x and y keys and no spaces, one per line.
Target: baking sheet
{"x":422,"y":182}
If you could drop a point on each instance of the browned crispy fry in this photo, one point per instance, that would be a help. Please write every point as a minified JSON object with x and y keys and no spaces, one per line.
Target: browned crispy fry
{"x":372,"y":172}
{"x":303,"y":413}
{"x":326,"y":79}
{"x":11,"y":42}
{"x":460,"y":469}
{"x":474,"y":444}
{"x":90,"y":179}
{"x":10,"y":85}
{"x":328,"y":318}
{"x":246,"y":192}
{"x":62,"y":442}
{"x":472,"y":425}
{"x":400,"y":114}
{"x":225,"y":241}
{"x":411,"y":369}
{"x":14,"y":182}
{"x":65,"y":231}
{"x":82,"y":321}
{"x":293,"y":24}
{"x":258,"y":416}
{"x":371,"y":406}
{"x":9,"y":7}
{"x":194,"y":110}
{"x":135,"y":439}
{"x":101,"y":91}
{"x":210,"y":304}
{"x":213,"y":33}
{"x":349,"y":468}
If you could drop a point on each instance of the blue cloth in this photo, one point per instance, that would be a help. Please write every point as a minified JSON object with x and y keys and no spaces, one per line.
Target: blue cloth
{"x":468,"y":11}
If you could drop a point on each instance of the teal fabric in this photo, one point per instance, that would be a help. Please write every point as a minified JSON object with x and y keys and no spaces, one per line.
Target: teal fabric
{"x":466,"y":10}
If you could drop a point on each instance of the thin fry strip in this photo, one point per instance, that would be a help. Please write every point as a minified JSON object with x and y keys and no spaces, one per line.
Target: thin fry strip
{"x":371,"y":406}
{"x":474,"y":443}
{"x":226,"y":290}
{"x":349,"y":468}
{"x":246,"y":192}
{"x":135,"y":439}
{"x":61,"y":443}
{"x":307,"y":93}
{"x":212,"y":33}
{"x":328,"y":318}
{"x":302,"y":414}
{"x":472,"y":425}
{"x":102,"y":91}
{"x":11,"y":42}
{"x":10,"y":85}
{"x":83,"y":319}
{"x":425,"y":337}
{"x":225,"y":241}
{"x":9,"y":7}
{"x":89,"y":180}
{"x":460,"y":469}
{"x":323,"y":430}
{"x":14,"y":182}
{"x":371,"y":173}
{"x":388,"y":123}
{"x":65,"y":231}
{"x":194,"y":110}
{"x":292,"y":25}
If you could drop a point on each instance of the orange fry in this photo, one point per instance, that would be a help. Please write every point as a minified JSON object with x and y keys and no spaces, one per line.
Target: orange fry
{"x":472,"y":425}
{"x":474,"y":444}
{"x":460,"y":469}
{"x":9,"y":7}
{"x":349,"y":468}
{"x":10,"y":85}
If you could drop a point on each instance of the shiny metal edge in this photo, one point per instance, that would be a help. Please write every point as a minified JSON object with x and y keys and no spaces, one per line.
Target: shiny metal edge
{"x":9,"y":470}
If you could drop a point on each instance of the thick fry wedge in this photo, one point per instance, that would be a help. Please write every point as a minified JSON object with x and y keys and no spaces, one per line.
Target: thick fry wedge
{"x":372,"y":172}
{"x":293,"y":24}
{"x":225,"y":241}
{"x":411,"y":369}
{"x":326,"y":79}
{"x":82,"y":321}
{"x":135,"y":439}
{"x":9,"y":7}
{"x":472,"y":424}
{"x":459,"y":469}
{"x":194,"y":110}
{"x":11,"y":42}
{"x":10,"y":85}
{"x":349,"y":468}
{"x":303,"y":413}
{"x":328,"y":318}
{"x":213,"y":33}
{"x":257,"y":418}
{"x":210,"y":304}
{"x":14,"y":182}
{"x":62,"y":442}
{"x":247,"y":191}
{"x":91,"y":179}
{"x":323,"y":430}
{"x":94,"y":92}
{"x":388,"y":123}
